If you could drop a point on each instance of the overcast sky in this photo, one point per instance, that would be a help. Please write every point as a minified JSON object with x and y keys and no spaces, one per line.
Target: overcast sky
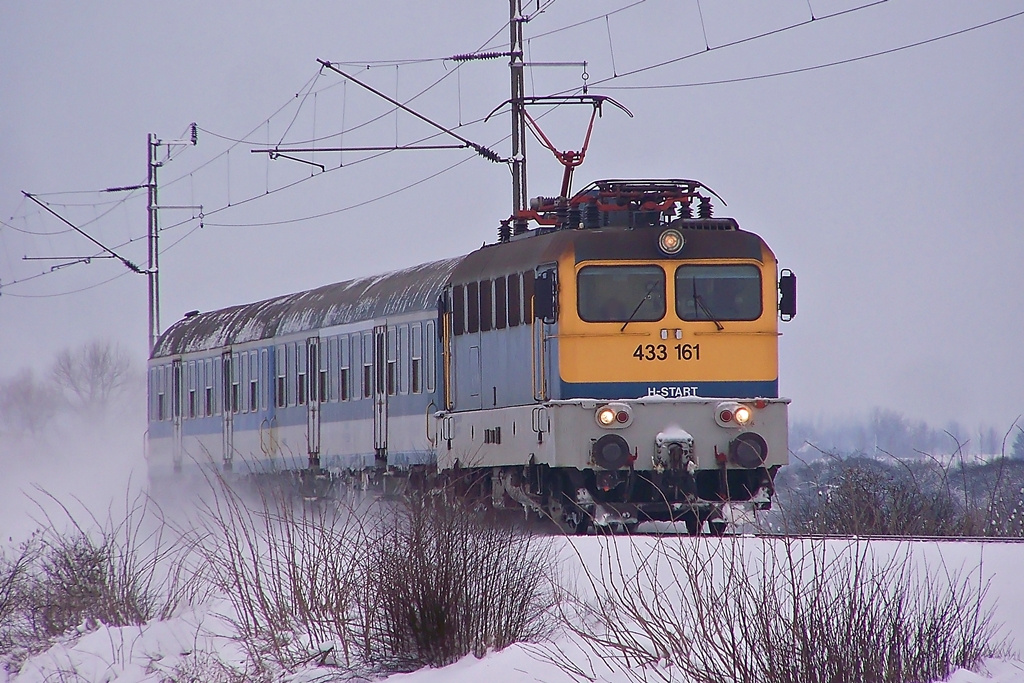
{"x":893,"y":186}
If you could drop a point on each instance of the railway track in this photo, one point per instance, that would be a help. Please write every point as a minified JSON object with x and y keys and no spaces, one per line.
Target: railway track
{"x":642,"y":531}
{"x":891,"y":537}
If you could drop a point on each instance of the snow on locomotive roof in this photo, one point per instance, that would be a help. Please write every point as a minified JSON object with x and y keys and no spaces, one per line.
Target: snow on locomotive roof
{"x":400,"y":291}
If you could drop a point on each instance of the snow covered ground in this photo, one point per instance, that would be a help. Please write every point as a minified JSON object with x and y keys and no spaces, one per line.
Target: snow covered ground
{"x":192,"y":644}
{"x":186,"y":646}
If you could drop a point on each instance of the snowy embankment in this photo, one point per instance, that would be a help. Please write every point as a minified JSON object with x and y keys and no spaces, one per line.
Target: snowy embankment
{"x":197,"y":643}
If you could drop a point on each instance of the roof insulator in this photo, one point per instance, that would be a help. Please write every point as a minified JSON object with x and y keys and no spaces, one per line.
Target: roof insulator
{"x":705,"y":210}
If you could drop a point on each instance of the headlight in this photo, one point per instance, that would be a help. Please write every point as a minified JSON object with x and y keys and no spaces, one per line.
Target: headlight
{"x":733,"y":414}
{"x":614,"y":415}
{"x":670,"y":242}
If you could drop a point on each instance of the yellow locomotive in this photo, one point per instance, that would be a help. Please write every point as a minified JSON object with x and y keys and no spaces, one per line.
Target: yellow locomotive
{"x":645,"y":384}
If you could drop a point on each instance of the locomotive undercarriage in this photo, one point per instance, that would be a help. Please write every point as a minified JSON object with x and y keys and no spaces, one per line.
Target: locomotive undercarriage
{"x":576,"y":500}
{"x":582,"y":473}
{"x":573,"y":500}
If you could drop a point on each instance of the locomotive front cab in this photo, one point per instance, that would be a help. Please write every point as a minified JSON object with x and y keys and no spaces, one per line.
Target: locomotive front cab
{"x":652,"y":355}
{"x":676,"y":356}
{"x":701,"y":324}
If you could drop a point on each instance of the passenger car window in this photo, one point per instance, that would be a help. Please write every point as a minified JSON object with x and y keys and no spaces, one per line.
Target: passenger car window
{"x":473,"y":314}
{"x":500,"y":303}
{"x":514,"y":307}
{"x":726,"y":292}
{"x":486,"y":308}
{"x":621,"y":293}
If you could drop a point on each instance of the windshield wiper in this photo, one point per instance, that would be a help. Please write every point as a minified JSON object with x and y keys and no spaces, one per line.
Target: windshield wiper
{"x":699,"y":301}
{"x":647,"y":295}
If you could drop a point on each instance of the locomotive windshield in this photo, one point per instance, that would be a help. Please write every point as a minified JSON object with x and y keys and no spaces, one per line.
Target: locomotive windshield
{"x":718,"y":292}
{"x":621,"y":293}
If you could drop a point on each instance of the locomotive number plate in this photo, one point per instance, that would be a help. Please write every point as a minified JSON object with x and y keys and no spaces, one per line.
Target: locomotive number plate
{"x":662,"y":352}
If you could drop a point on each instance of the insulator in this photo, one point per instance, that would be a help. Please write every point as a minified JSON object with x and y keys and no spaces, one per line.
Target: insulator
{"x":591,"y":216}
{"x":684,"y":209}
{"x":504,"y":231}
{"x":520,"y":226}
{"x":705,"y":210}
{"x":574,"y":218}
{"x":561,"y":214}
{"x":488,"y":154}
{"x":542,"y":203}
{"x":478,"y":55}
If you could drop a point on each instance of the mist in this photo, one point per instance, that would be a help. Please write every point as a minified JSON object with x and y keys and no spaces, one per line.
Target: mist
{"x":61,"y":447}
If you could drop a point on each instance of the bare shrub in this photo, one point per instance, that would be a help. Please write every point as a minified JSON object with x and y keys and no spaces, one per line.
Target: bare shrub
{"x":16,"y":569}
{"x":994,"y":492}
{"x":372,"y":586}
{"x":75,"y":586}
{"x":290,"y":569}
{"x":924,"y":496}
{"x":448,"y":581}
{"x":205,"y":667}
{"x":785,"y":610}
{"x":865,"y":496}
{"x":75,"y":575}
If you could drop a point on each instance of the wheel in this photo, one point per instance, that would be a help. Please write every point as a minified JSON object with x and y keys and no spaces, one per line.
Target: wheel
{"x":569,"y":518}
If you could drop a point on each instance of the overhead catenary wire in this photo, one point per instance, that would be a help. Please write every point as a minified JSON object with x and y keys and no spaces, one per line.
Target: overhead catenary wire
{"x":304,"y":179}
{"x":733,"y":43}
{"x":68,"y":230}
{"x":298,"y":109}
{"x":361,"y":203}
{"x":599,"y":17}
{"x":235,"y":142}
{"x":59,"y":294}
{"x":703,"y":28}
{"x":838,"y":62}
{"x":368,"y":63}
{"x":307,"y":87}
{"x":95,"y":255}
{"x":69,"y":205}
{"x":333,"y":212}
{"x":478,"y":148}
{"x":128,"y":264}
{"x":611,"y":46}
{"x":34,"y":232}
{"x":607,"y":83}
{"x":245,"y":138}
{"x":730,"y":44}
{"x":540,"y":10}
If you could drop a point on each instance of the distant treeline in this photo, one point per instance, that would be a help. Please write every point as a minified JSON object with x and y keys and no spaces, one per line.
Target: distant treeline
{"x":889,"y":432}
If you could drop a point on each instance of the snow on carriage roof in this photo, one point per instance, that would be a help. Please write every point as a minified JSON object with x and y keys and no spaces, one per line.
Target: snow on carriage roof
{"x":400,"y":291}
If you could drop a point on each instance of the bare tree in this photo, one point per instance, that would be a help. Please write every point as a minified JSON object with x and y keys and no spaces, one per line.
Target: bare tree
{"x":92,"y":375}
{"x":1018,"y":444}
{"x":26,"y":404}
